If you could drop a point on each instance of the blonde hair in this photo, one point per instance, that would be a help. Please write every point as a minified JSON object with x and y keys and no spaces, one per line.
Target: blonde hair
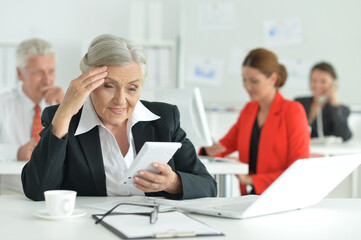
{"x":30,"y":48}
{"x":111,"y":50}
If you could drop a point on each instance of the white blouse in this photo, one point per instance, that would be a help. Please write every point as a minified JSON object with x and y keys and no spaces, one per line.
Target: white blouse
{"x":115,"y":165}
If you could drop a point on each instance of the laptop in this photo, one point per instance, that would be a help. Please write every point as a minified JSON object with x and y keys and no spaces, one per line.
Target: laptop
{"x":305,"y":183}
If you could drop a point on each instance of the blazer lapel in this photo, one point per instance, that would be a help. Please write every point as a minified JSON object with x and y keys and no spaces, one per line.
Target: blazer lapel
{"x":90,"y":143}
{"x":142,"y":132}
{"x":269,"y":129}
{"x":246,"y":132}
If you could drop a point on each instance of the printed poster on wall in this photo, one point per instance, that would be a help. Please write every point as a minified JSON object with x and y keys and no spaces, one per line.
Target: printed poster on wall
{"x":216,"y":16}
{"x":298,"y":71}
{"x":282,"y":32}
{"x":205,"y":70}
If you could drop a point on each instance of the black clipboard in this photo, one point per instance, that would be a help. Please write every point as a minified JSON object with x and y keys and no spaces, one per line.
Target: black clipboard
{"x":159,"y":234}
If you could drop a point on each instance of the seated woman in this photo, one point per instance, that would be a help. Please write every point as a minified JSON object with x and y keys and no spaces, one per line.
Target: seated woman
{"x":324,"y":87}
{"x":271,"y":132}
{"x":92,"y":137}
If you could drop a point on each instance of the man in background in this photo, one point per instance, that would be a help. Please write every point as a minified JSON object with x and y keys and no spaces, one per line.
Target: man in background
{"x":21,"y":107}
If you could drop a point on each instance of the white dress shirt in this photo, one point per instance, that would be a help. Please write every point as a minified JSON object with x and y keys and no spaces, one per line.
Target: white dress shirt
{"x":16,"y":120}
{"x":115,"y":165}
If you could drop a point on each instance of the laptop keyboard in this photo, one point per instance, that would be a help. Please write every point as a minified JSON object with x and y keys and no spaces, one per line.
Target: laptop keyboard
{"x":238,"y":206}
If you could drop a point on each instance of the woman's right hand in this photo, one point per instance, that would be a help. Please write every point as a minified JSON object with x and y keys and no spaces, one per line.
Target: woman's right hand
{"x":332,"y":94}
{"x":78,"y":91}
{"x":214,"y":149}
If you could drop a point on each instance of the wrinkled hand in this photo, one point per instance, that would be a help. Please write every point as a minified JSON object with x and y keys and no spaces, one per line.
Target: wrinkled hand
{"x":214,"y":149}
{"x":25,"y":151}
{"x":78,"y":91}
{"x":167,"y":180}
{"x":52,"y":94}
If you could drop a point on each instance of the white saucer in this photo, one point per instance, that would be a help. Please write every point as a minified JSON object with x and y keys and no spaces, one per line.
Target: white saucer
{"x":43,"y":213}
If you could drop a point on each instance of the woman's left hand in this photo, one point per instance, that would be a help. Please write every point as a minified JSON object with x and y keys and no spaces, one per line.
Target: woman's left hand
{"x":167,"y":180}
{"x":245,"y":179}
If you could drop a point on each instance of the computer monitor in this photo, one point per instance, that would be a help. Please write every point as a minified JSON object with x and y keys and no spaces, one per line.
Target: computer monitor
{"x":192,"y":113}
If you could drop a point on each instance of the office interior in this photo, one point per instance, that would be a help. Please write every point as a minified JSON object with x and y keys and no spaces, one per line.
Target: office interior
{"x":181,"y":35}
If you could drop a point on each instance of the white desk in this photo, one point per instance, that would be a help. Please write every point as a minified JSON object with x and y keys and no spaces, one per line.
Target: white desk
{"x":12,"y":167}
{"x":337,"y":148}
{"x":351,"y":147}
{"x":222,"y":171}
{"x":330,"y":219}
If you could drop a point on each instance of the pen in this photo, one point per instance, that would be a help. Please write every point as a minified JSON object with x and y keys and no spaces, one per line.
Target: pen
{"x":174,"y":234}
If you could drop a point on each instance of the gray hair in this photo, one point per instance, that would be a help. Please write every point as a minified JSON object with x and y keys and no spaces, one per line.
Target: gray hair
{"x":30,"y":48}
{"x":110,"y":50}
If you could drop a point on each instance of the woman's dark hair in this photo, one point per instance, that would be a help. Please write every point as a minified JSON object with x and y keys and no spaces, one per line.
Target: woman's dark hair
{"x":266,"y":62}
{"x":326,"y":67}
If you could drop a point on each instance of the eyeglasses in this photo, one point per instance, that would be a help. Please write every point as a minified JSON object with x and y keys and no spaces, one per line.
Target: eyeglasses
{"x":153,"y":215}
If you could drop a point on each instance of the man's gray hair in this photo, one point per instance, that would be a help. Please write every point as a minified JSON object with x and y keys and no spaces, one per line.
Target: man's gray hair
{"x":30,"y":48}
{"x":110,"y":50}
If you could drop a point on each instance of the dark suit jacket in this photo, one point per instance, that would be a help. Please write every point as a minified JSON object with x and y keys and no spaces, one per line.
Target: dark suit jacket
{"x":334,"y":119}
{"x":76,"y":163}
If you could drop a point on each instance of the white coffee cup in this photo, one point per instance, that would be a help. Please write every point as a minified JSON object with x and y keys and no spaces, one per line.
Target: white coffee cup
{"x":60,"y":203}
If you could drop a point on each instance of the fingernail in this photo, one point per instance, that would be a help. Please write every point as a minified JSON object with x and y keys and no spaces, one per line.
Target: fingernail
{"x":141,"y":172}
{"x":136,"y":179}
{"x":155,"y":164}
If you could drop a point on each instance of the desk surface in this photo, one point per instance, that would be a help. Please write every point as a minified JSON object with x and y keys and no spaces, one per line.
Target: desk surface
{"x":11,"y":167}
{"x":15,"y":167}
{"x":219,"y":169}
{"x":350,"y":147}
{"x":330,"y":219}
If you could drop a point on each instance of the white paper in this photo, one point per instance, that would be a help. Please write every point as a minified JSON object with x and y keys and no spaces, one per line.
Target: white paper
{"x":298,"y":73}
{"x":282,"y":32}
{"x":216,"y":16}
{"x":135,"y":226}
{"x":205,"y":70}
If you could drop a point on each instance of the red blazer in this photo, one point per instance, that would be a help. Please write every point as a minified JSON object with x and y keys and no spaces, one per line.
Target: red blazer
{"x":285,"y":137}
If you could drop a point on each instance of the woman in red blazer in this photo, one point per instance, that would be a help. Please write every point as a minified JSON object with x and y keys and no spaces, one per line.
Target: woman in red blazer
{"x":271,"y":132}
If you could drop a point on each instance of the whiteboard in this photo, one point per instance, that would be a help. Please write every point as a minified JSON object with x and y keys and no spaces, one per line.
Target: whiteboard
{"x":329,"y":31}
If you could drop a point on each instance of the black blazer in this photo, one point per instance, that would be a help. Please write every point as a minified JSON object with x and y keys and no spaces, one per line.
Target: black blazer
{"x":334,"y":119}
{"x":76,"y":163}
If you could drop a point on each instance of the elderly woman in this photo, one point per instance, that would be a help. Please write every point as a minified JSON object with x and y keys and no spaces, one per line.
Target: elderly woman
{"x":91,"y":139}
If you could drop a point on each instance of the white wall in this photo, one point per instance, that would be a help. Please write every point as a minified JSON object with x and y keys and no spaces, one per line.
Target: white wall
{"x":331,"y":31}
{"x":69,"y":24}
